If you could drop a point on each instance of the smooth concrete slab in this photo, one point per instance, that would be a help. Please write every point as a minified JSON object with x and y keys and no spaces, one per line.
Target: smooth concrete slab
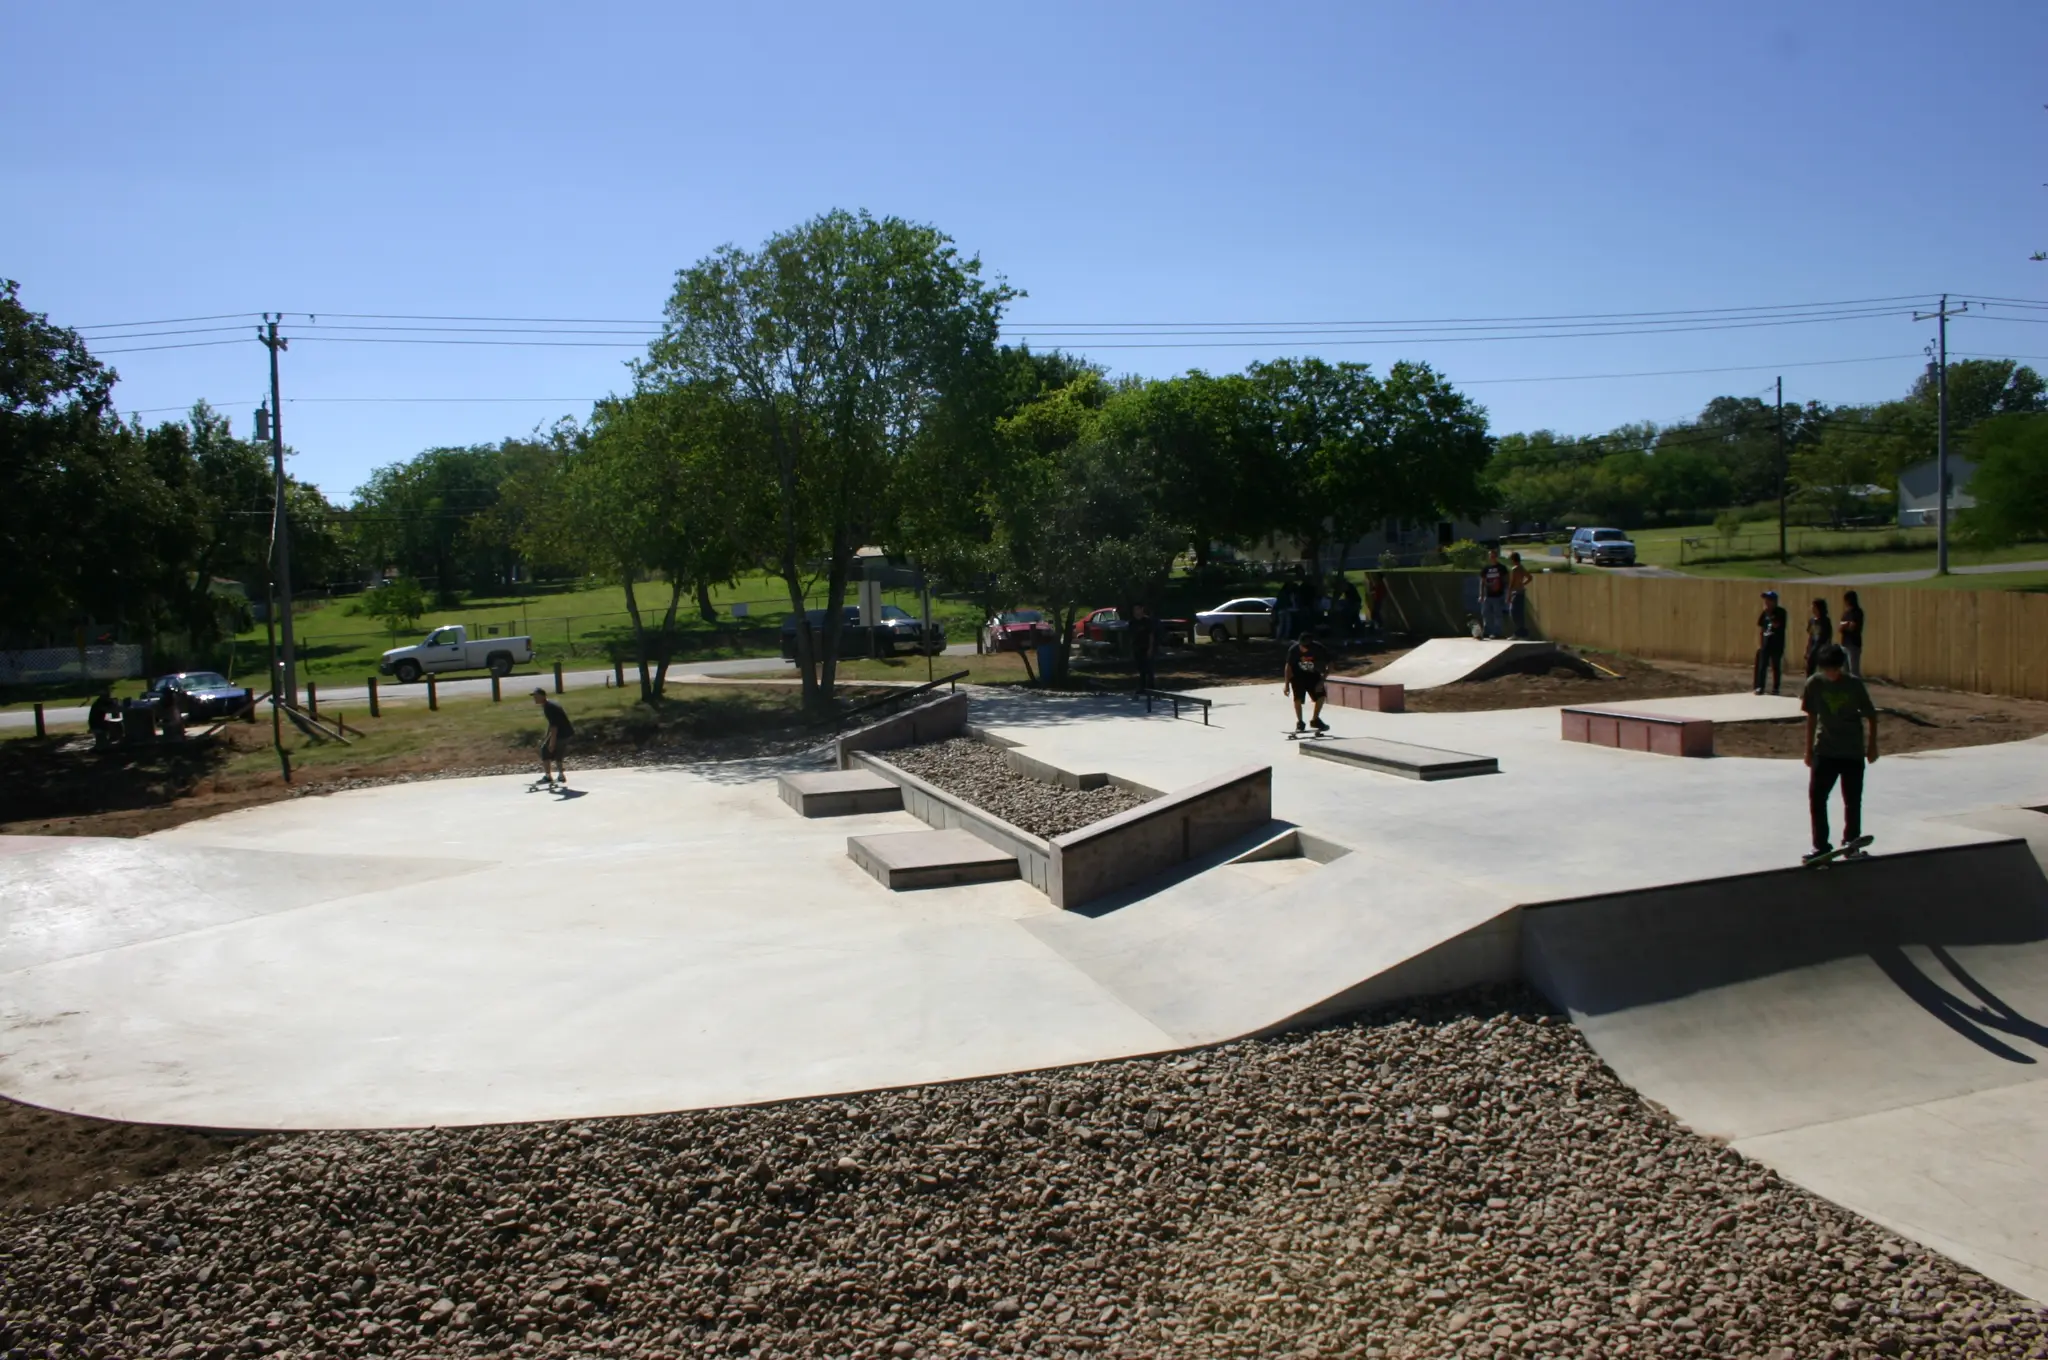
{"x":1445,"y":661}
{"x":838,"y":793}
{"x":1720,"y":708}
{"x":900,"y":860}
{"x":1399,"y":757}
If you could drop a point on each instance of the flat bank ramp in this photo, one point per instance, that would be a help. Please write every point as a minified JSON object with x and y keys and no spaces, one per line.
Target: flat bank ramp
{"x":1875,"y":1032}
{"x":1445,"y":661}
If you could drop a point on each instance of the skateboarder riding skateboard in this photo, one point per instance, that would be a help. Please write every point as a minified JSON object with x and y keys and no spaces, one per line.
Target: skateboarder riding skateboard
{"x":555,"y":745}
{"x":1308,"y":662}
{"x":1838,"y":709}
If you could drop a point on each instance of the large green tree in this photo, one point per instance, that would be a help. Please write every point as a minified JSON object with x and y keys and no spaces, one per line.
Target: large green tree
{"x":841,"y":340}
{"x":431,"y":517}
{"x":2011,"y":483}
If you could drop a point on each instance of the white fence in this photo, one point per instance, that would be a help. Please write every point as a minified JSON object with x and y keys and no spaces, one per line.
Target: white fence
{"x":56,"y":665}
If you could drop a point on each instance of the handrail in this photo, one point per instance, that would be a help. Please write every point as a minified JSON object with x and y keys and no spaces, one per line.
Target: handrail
{"x":1176,"y":700}
{"x":895,"y":697}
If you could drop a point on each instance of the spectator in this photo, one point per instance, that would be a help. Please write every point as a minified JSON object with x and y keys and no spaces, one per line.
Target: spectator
{"x":1820,"y":632}
{"x":1376,"y":600}
{"x":1493,"y":596}
{"x":1283,"y":611}
{"x":1350,"y":605}
{"x":1770,"y":643}
{"x":103,"y":719}
{"x":1518,"y":586}
{"x":1852,"y":634}
{"x":1837,"y":708}
{"x":1144,"y":645}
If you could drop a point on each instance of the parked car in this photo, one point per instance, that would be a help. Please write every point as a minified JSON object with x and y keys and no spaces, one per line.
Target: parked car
{"x":1603,"y":548}
{"x":1250,"y":616}
{"x":451,"y":649}
{"x":898,"y":631}
{"x":1017,"y":630}
{"x":201,"y":694}
{"x":1102,"y":625}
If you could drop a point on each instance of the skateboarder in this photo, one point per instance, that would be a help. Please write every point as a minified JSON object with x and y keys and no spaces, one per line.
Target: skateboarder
{"x":555,"y":745}
{"x":1308,"y":661}
{"x":1838,"y":708}
{"x":1770,"y":643}
{"x":1493,"y":596}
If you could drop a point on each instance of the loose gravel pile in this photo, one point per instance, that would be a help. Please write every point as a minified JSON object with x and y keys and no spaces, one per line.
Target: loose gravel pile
{"x":977,"y":772}
{"x":1457,"y":1178}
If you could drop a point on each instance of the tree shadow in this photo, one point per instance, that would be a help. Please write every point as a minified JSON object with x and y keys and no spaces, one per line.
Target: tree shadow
{"x":1974,"y":1021}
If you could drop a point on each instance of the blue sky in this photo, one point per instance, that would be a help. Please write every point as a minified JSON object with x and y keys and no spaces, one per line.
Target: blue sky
{"x":1122,"y":163}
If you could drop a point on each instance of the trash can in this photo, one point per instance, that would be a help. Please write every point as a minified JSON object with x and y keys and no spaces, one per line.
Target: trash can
{"x":1048,"y":652}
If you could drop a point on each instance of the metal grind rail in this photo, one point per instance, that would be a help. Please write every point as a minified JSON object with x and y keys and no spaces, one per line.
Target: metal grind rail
{"x":952,"y":682}
{"x":1167,"y":696}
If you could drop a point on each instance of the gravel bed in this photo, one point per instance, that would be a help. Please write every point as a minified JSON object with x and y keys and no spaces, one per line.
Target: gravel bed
{"x":977,"y":772}
{"x":1457,"y":1178}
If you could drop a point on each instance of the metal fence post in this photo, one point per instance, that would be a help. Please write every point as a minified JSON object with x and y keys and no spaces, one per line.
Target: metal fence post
{"x":496,"y":696}
{"x":433,"y":696}
{"x":375,"y":712}
{"x":41,"y":731}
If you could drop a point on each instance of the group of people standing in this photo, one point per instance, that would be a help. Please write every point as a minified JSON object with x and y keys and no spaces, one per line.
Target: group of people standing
{"x":1308,"y":602}
{"x":1822,"y":632}
{"x":1503,"y":596}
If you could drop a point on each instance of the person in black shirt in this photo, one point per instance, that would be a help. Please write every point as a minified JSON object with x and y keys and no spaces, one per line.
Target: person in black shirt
{"x":1144,"y":645}
{"x":1493,"y":596}
{"x":1852,"y":634}
{"x":1770,"y":642}
{"x":1820,"y":632}
{"x":1308,"y":661}
{"x":555,"y":745}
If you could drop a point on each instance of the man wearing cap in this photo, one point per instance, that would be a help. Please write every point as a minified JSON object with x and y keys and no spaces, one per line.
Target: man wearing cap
{"x":1770,"y":643}
{"x":555,"y":745}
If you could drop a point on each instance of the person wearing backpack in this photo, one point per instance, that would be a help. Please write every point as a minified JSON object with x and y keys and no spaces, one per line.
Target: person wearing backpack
{"x":555,"y":745}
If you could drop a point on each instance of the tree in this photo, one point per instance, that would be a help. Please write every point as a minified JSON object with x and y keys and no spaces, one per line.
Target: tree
{"x":2010,"y":486}
{"x":841,"y":340}
{"x":397,"y":604}
{"x":1979,"y":389}
{"x":1211,"y":450}
{"x":429,"y":517}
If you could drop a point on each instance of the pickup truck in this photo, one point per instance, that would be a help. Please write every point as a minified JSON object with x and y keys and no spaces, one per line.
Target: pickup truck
{"x":450,"y":649}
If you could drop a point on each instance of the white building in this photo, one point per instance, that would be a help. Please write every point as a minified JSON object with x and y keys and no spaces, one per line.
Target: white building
{"x":1918,"y":499}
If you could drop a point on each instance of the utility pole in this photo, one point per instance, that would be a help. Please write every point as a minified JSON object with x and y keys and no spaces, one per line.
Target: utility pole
{"x":1940,"y":317}
{"x":289,"y":693}
{"x":1781,"y":471}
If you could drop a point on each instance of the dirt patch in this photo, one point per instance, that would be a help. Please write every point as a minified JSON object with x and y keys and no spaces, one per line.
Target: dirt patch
{"x":48,"y":1158}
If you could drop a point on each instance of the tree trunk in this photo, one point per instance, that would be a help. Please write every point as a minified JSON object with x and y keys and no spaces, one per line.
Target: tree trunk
{"x":835,"y":614}
{"x":665,"y":643}
{"x":639,"y":636}
{"x":705,"y":609}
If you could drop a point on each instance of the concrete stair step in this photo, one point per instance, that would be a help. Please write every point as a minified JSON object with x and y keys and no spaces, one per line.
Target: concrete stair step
{"x":930,"y":859}
{"x":839,"y":793}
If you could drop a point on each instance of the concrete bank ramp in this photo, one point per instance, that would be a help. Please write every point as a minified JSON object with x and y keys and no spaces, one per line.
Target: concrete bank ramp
{"x":1445,"y":661}
{"x":1876,"y":1032}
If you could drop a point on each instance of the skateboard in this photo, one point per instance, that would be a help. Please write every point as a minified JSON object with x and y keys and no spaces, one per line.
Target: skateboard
{"x":1853,"y":850}
{"x":1310,"y":735}
{"x":548,"y":786}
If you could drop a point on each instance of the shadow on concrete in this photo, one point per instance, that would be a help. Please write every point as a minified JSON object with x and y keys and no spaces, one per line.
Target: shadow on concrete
{"x":1974,"y":1022}
{"x":1182,"y":872}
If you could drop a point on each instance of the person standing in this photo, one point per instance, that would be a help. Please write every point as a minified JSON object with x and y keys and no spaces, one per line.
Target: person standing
{"x":555,"y":745}
{"x":1283,"y":611}
{"x":1851,"y":631}
{"x":1308,"y":662}
{"x":1493,"y":596}
{"x":1376,"y":600}
{"x":1838,"y":710}
{"x":1518,"y":594}
{"x":1144,"y":645}
{"x":1770,"y":643}
{"x":1820,"y":633}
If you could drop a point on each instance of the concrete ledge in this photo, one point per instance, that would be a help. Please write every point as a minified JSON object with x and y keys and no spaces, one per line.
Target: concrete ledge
{"x":933,"y":721}
{"x":839,"y":793}
{"x":1657,"y":733}
{"x":901,"y":860}
{"x":1135,"y":845}
{"x":1351,"y":691}
{"x":939,"y":809}
{"x":1398,"y":757}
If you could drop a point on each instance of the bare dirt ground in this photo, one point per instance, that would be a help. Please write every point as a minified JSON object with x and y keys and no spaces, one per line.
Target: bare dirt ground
{"x":48,"y":1158}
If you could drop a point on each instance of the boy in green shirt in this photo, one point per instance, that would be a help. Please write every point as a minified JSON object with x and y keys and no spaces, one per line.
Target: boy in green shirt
{"x":1838,"y":709}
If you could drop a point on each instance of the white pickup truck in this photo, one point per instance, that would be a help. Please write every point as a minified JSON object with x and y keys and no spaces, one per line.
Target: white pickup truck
{"x":450,"y":649}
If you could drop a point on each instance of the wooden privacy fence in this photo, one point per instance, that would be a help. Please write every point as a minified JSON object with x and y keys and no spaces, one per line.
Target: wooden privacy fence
{"x":1986,"y":641}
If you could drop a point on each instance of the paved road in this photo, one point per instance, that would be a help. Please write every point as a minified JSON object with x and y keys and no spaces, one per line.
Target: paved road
{"x":357,"y":697}
{"x":1885,"y":578}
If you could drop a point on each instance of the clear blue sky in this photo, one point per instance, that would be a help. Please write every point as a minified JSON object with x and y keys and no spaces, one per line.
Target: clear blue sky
{"x":1123,"y":163}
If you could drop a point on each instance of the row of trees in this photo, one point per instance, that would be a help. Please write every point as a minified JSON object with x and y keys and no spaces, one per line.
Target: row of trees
{"x":111,"y":525}
{"x":1730,"y":455}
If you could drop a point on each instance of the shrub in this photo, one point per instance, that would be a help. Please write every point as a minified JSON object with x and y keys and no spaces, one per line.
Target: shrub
{"x":1465,"y":555}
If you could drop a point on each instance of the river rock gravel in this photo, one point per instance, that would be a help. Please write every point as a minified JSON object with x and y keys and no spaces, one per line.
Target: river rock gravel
{"x":978,"y":772}
{"x":1455,"y":1178}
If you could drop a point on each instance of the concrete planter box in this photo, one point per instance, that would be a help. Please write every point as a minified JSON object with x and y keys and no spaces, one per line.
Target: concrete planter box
{"x":937,"y":808}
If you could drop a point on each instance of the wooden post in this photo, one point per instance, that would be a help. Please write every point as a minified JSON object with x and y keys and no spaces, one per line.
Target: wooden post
{"x":618,"y":672}
{"x":312,"y":699}
{"x":496,"y":695}
{"x":41,"y":730}
{"x":375,"y":712}
{"x":433,"y":696}
{"x":558,"y":677}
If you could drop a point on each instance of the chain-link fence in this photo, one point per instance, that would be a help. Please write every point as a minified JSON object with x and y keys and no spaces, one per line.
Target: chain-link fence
{"x":60,"y":665}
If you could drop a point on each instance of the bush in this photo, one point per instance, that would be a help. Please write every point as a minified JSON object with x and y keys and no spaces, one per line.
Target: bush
{"x":1465,"y":555}
{"x":1389,"y":559}
{"x":1729,"y":523}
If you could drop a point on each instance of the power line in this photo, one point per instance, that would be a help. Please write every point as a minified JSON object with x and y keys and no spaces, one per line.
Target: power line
{"x":166,"y":321}
{"x":1682,"y":372}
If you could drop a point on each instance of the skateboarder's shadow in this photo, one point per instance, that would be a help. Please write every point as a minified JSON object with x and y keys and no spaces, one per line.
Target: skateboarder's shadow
{"x":564,"y":795}
{"x":1973,"y":1021}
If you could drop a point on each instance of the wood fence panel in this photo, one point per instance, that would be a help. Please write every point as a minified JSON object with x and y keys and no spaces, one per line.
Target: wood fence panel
{"x":1986,"y":641}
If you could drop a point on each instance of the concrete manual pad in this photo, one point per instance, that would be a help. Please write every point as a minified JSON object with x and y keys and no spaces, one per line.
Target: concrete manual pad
{"x":930,"y":859}
{"x":839,"y":793}
{"x":1400,"y":757}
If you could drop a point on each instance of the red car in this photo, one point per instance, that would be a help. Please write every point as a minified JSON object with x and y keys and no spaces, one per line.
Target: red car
{"x":1102,"y":625}
{"x":1016,"y":630}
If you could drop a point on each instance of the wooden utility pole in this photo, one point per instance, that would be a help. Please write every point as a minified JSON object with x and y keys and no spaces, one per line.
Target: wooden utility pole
{"x":1940,"y":317}
{"x":289,"y":679}
{"x":1781,"y":471}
